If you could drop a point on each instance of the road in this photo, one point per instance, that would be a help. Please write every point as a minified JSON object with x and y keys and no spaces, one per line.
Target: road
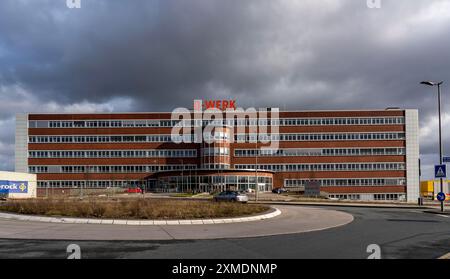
{"x":401,"y":233}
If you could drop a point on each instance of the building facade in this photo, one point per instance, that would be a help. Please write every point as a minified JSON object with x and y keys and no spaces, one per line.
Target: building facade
{"x":354,"y":154}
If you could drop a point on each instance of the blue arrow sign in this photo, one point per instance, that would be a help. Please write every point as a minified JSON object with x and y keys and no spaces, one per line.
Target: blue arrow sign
{"x":441,"y":197}
{"x":440,"y":171}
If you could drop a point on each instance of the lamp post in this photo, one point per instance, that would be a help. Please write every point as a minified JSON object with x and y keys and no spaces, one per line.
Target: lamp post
{"x":182,"y":175}
{"x":438,"y":84}
{"x":256,"y":167}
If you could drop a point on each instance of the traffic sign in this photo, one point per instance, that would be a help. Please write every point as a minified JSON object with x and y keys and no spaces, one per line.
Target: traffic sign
{"x":440,"y":171}
{"x":446,"y":159}
{"x":441,"y":196}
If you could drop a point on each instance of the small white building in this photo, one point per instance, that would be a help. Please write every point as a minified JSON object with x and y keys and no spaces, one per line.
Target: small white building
{"x":18,"y":185}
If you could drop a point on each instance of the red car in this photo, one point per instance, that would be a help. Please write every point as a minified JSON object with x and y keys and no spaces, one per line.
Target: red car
{"x":133,"y":190}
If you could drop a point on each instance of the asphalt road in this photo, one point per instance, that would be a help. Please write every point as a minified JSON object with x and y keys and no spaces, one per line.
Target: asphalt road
{"x":401,"y":233}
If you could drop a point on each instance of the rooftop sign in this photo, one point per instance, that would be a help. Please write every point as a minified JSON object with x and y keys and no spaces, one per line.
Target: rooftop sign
{"x":214,"y":104}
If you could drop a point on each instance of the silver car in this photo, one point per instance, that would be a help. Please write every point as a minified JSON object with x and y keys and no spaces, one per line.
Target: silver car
{"x":233,"y":196}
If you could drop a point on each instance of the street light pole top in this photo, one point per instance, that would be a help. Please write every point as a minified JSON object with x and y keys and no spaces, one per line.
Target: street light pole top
{"x":432,"y":83}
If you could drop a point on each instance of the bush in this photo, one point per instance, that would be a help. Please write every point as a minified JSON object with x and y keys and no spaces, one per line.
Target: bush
{"x":132,"y":208}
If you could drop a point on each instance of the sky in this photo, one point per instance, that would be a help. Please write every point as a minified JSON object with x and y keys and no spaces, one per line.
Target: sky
{"x":149,"y":55}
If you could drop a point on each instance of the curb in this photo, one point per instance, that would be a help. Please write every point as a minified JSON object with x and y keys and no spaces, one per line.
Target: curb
{"x":343,"y":205}
{"x":64,"y":220}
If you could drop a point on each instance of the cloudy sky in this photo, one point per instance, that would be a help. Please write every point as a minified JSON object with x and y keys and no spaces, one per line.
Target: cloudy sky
{"x":149,"y":55}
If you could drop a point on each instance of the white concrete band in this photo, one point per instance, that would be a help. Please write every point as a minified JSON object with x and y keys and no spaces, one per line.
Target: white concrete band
{"x":21,"y":147}
{"x":412,"y":155}
{"x":68,"y":220}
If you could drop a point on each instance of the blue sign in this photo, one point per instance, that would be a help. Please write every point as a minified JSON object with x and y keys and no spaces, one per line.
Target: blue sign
{"x":7,"y":186}
{"x":441,"y":197}
{"x":440,"y":171}
{"x":446,"y":159}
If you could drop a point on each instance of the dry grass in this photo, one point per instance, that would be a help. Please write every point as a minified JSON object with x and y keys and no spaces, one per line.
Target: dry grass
{"x":132,"y":208}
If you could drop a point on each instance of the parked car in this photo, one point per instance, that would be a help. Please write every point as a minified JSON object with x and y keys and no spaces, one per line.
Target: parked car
{"x":279,"y":190}
{"x":233,"y":196}
{"x":133,"y":190}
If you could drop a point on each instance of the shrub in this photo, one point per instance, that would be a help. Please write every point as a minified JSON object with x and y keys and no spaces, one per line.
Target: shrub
{"x":132,"y":208}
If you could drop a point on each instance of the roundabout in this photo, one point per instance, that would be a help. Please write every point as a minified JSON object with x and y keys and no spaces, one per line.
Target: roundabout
{"x":288,"y":220}
{"x":272,"y":212}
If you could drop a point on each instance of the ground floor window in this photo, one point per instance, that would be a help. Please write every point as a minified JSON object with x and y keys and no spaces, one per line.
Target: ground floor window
{"x":346,"y":197}
{"x":386,"y":197}
{"x":210,"y":183}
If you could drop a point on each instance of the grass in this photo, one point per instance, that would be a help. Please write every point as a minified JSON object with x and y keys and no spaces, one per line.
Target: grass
{"x":182,"y":195}
{"x":131,"y":208}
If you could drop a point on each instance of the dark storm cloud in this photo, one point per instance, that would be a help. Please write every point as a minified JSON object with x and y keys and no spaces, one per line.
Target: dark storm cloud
{"x":161,"y":51}
{"x":291,"y":54}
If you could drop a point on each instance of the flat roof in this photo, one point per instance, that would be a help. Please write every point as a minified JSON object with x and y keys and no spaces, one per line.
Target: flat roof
{"x":159,"y":112}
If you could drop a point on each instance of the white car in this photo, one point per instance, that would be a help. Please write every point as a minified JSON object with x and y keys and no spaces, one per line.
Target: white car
{"x":233,"y":196}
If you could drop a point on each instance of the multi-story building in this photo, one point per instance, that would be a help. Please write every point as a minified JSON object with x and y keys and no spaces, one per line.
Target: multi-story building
{"x":354,"y":154}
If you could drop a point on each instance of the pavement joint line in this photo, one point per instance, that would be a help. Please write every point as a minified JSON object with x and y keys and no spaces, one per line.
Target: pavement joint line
{"x":10,"y":216}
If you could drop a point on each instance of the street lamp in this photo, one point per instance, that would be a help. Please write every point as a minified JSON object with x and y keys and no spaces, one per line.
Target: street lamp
{"x":438,"y":84}
{"x":256,"y":168}
{"x":182,"y":174}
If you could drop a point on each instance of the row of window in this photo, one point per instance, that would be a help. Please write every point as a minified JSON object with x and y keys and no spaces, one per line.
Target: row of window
{"x":320,"y":137}
{"x":109,"y":169}
{"x":386,"y":197}
{"x":275,"y":167}
{"x":186,"y":181}
{"x":215,"y":166}
{"x":232,"y":122}
{"x":215,"y":151}
{"x":349,"y":182}
{"x":325,"y":167}
{"x":239,"y":138}
{"x":346,"y":197}
{"x":318,"y":152}
{"x":213,"y":182}
{"x":88,"y":184}
{"x":96,"y":139}
{"x":163,"y":153}
{"x":192,"y":153}
{"x":383,"y":197}
{"x":216,"y":136}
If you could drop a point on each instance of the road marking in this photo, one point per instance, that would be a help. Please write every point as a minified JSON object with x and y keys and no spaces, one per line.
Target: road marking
{"x":445,"y":216}
{"x":445,"y":257}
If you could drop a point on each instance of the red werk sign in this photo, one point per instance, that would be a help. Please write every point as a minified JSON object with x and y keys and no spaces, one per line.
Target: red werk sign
{"x":217,"y":104}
